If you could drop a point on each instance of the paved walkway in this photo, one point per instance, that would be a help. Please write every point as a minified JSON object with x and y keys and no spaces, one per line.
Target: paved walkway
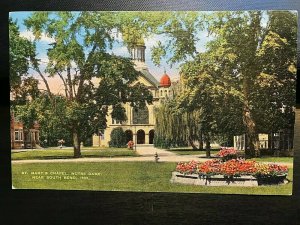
{"x":146,"y":153}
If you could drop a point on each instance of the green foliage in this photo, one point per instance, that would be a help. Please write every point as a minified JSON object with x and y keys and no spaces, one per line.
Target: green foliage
{"x":243,"y":83}
{"x":25,"y":91}
{"x":93,"y":79}
{"x":21,"y":52}
{"x":51,"y":119}
{"x":117,"y":138}
{"x":172,"y":127}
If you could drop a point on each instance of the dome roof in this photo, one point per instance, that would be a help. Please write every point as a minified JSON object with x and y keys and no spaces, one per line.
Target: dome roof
{"x":165,"y":81}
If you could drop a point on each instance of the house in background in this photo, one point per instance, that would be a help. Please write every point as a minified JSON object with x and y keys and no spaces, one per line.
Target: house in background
{"x":22,"y":137}
{"x":273,"y":142}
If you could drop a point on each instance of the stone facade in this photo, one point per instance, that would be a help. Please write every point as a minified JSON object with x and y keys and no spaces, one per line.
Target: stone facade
{"x":140,"y":124}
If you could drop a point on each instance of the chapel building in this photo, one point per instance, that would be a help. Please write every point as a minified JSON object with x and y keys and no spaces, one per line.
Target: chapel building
{"x":140,"y":123}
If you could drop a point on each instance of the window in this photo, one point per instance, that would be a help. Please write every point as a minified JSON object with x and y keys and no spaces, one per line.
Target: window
{"x":18,"y":135}
{"x":116,"y":121}
{"x":141,"y":116}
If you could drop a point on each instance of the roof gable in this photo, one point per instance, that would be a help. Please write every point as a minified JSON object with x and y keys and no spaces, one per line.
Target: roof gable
{"x":149,"y":78}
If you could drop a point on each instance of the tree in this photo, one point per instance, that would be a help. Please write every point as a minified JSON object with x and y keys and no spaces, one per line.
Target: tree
{"x":118,"y":138}
{"x":26,"y":90}
{"x":246,"y":74}
{"x":21,"y":51}
{"x":78,"y":56}
{"x":51,"y":118}
{"x":246,"y":49}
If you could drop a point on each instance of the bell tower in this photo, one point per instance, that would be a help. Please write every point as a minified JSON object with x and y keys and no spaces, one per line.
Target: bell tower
{"x":137,"y":53}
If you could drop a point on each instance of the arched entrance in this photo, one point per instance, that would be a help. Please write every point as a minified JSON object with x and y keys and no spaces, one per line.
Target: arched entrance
{"x":151,"y":136}
{"x":129,"y":135}
{"x":140,"y":137}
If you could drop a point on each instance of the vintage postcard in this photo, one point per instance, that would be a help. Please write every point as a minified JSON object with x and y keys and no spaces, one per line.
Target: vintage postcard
{"x":152,"y":101}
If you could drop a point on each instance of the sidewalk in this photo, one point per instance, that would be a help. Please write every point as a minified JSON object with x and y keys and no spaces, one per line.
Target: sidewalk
{"x":146,"y":153}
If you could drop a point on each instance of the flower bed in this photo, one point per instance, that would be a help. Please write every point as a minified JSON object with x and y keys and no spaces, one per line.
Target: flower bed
{"x":227,"y":153}
{"x":232,"y":171}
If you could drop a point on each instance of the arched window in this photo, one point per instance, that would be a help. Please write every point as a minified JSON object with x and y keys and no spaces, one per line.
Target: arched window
{"x":140,"y":116}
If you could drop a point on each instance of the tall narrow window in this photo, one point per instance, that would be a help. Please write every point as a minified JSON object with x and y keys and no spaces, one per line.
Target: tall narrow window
{"x":18,"y":135}
{"x":141,"y":116}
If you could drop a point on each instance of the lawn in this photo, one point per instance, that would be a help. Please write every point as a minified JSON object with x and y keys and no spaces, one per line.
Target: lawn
{"x":190,"y":151}
{"x":68,"y":153}
{"x":121,"y":176}
{"x":274,"y":159}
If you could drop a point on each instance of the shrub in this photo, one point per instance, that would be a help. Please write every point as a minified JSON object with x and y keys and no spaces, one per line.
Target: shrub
{"x":117,"y":138}
{"x":161,"y":142}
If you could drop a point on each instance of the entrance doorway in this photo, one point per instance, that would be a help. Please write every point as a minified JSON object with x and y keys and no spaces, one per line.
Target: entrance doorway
{"x":140,"y":137}
{"x":129,"y":135}
{"x":151,"y":136}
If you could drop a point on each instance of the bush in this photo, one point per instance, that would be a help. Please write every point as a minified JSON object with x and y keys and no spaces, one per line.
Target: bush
{"x":160,"y":142}
{"x":165,"y":143}
{"x":117,"y":138}
{"x":88,"y":142}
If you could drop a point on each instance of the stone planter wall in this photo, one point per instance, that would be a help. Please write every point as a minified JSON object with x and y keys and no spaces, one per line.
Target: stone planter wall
{"x":216,"y":180}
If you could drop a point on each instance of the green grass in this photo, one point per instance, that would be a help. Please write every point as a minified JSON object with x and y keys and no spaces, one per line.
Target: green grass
{"x":68,"y":153}
{"x":274,"y":159}
{"x":124,"y":176}
{"x":187,"y":151}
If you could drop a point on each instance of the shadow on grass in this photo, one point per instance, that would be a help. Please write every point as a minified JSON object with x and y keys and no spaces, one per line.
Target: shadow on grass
{"x":211,"y":157}
{"x":190,"y":150}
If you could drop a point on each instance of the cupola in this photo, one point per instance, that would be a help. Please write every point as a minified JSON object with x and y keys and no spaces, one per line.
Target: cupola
{"x":165,"y":81}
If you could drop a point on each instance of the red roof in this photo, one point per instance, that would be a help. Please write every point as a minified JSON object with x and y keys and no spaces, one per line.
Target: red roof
{"x":165,"y":81}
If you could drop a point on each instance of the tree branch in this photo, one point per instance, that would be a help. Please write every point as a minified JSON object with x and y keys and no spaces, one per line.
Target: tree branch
{"x":70,"y":83}
{"x":65,"y":84}
{"x":37,"y":69}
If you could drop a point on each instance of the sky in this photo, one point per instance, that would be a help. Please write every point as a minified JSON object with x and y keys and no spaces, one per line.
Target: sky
{"x":118,"y":49}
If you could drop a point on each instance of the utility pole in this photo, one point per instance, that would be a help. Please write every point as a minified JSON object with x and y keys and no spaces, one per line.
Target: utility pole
{"x":135,"y":137}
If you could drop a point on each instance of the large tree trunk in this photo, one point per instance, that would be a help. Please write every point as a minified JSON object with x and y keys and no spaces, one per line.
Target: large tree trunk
{"x":252,"y":147}
{"x":249,"y":73}
{"x":207,"y":147}
{"x":76,"y":143}
{"x":200,"y":141}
